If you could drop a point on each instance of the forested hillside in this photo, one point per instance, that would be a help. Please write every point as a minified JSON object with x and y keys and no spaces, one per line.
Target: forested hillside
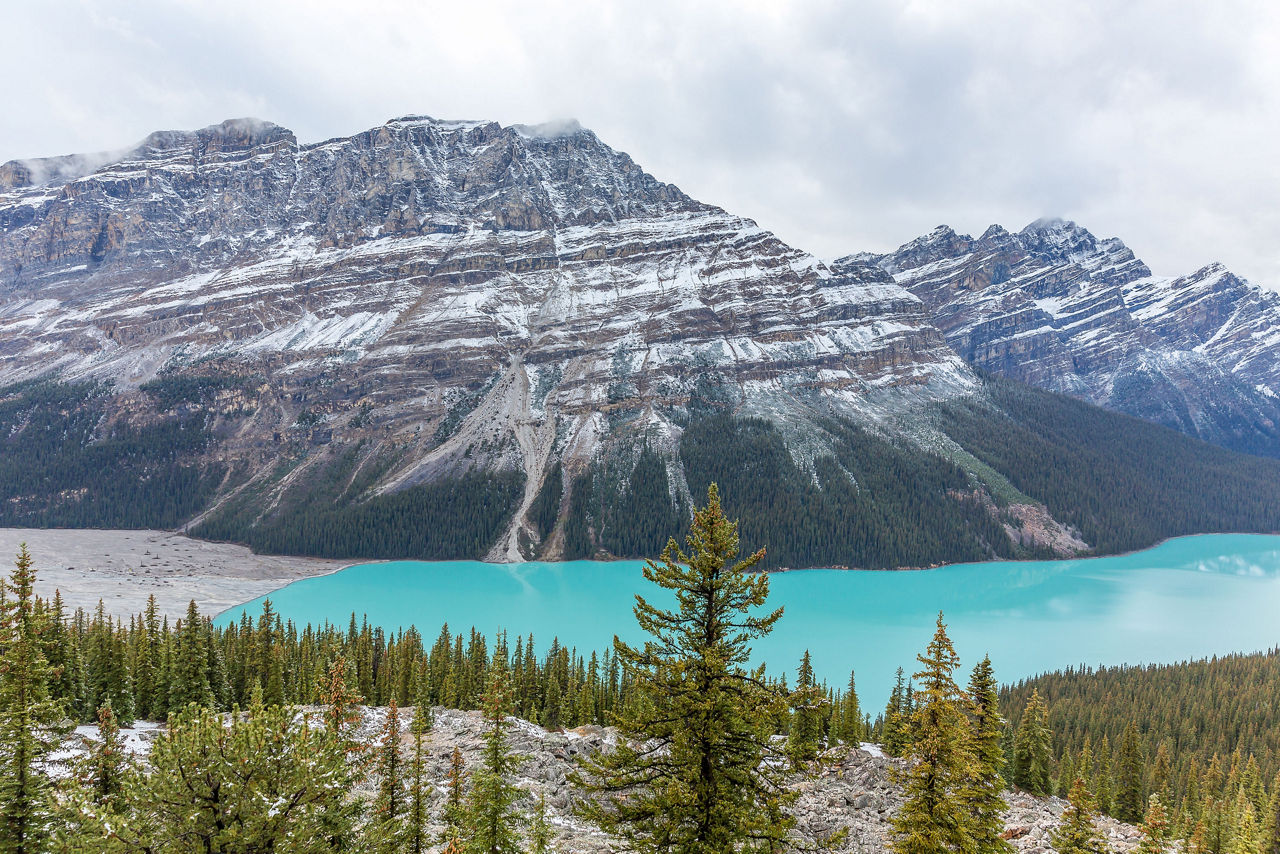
{"x":1123,"y":482}
{"x":869,"y":500}
{"x":1204,"y":735}
{"x":65,"y":463}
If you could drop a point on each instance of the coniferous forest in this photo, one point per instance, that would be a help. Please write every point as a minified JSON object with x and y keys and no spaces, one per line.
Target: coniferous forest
{"x":866,"y":500}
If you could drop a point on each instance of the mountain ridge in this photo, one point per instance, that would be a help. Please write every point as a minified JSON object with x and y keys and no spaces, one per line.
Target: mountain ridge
{"x":459,"y":339}
{"x":1057,"y":307}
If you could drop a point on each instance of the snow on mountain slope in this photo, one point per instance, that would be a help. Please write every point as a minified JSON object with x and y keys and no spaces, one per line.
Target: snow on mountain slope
{"x":452,"y":295}
{"x":1057,"y":307}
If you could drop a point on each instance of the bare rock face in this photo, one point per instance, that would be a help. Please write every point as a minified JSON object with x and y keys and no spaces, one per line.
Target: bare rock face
{"x":445,"y":295}
{"x":1056,"y":307}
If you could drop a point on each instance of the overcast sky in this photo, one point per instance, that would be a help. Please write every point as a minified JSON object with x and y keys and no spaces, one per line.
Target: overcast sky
{"x":842,"y":126}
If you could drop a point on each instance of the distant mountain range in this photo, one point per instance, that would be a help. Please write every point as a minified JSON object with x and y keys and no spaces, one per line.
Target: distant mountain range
{"x":1056,"y":307}
{"x":457,"y":339}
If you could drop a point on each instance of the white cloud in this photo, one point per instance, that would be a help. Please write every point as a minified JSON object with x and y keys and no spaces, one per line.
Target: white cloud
{"x":842,"y":126}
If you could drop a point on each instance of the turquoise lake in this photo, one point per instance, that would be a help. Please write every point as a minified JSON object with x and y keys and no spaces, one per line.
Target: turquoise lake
{"x":1187,"y":598}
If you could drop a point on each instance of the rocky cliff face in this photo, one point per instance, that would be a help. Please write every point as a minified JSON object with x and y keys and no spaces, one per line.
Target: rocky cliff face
{"x":435,"y":297}
{"x":1054,"y":306}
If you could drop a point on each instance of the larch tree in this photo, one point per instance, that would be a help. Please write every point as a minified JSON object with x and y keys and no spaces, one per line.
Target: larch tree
{"x":934,"y":817}
{"x":689,"y":773}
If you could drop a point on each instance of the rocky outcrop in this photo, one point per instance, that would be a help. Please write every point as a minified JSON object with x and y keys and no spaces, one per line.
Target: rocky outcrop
{"x":856,"y":792}
{"x":443,"y":296}
{"x":1054,"y":306}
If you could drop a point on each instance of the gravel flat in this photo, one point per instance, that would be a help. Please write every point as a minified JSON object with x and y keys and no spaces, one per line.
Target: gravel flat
{"x":123,"y":568}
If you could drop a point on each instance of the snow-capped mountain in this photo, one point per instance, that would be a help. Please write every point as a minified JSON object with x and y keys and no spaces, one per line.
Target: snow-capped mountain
{"x":436,"y":295}
{"x":1056,"y":307}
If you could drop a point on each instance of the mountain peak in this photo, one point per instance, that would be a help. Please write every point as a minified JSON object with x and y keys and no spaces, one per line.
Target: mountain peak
{"x":1058,"y":239}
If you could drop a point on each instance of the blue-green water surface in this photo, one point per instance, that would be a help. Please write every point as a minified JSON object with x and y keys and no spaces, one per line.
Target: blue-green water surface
{"x":1187,"y":598}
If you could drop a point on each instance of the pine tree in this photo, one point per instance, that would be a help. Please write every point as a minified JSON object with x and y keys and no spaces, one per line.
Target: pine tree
{"x":1031,"y":769}
{"x":983,"y":792}
{"x":702,"y":783}
{"x":1077,"y":833}
{"x":30,"y":719}
{"x":804,"y":736}
{"x":258,"y":781}
{"x":850,"y":731}
{"x":1129,"y":795}
{"x":934,"y":817}
{"x":491,"y":821}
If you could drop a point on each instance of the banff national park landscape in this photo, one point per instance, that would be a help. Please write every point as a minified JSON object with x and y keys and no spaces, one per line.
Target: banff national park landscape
{"x":663,"y":479}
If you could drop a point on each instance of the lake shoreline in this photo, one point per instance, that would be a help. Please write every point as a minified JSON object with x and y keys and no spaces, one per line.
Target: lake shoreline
{"x":1187,"y":598}
{"x":122,"y":567}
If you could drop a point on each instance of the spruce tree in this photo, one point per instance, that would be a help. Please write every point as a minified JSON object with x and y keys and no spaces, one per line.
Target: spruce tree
{"x":1031,"y":769}
{"x":455,"y":809}
{"x":190,"y":668}
{"x":804,"y":736}
{"x":1246,"y":839}
{"x":689,"y":772}
{"x":341,"y":721}
{"x":895,"y":735}
{"x":934,"y":817}
{"x":389,"y":807}
{"x":539,"y":829}
{"x":491,"y":820}
{"x":1271,"y":827}
{"x":1130,"y":798}
{"x":850,"y":730}
{"x":416,"y":839}
{"x":30,"y":719}
{"x":983,"y":792}
{"x":1077,"y":833}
